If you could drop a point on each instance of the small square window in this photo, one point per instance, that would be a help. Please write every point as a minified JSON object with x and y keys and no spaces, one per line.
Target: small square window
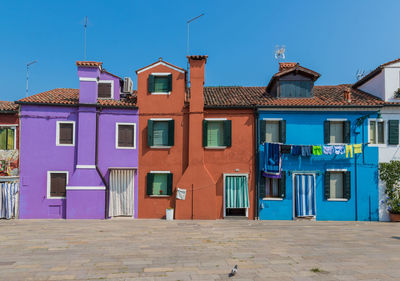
{"x":376,"y":132}
{"x":161,"y":84}
{"x":215,"y":133}
{"x":66,"y":133}
{"x":57,"y":183}
{"x":336,"y":132}
{"x":160,"y":133}
{"x":272,"y":131}
{"x":159,"y":184}
{"x":336,"y":186}
{"x":7,"y":138}
{"x":104,"y":90}
{"x":126,"y":135}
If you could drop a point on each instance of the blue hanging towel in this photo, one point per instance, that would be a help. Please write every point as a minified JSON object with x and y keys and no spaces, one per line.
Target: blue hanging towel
{"x":296,"y":150}
{"x":272,"y":160}
{"x":306,"y":150}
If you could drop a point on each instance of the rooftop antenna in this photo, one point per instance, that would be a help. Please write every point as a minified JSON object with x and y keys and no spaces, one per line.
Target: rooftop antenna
{"x":187,"y":23}
{"x":360,"y":74}
{"x":27,"y":75}
{"x":280,"y":52}
{"x":84,"y":40}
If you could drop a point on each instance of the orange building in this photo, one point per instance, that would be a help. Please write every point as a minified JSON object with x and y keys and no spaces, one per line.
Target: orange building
{"x":197,"y":145}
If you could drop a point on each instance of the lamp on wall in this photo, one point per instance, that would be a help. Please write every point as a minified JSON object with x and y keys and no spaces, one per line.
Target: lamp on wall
{"x":379,"y":117}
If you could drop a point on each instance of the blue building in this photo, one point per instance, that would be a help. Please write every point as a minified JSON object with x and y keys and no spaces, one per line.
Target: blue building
{"x":316,"y":127}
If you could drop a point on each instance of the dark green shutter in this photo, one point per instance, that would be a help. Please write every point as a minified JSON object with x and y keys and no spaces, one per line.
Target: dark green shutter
{"x":262,"y":186}
{"x":327,"y":131}
{"x":393,"y":126}
{"x":169,"y":89}
{"x":150,"y":179}
{"x":150,"y":83}
{"x":169,"y":184}
{"x":171,"y":132}
{"x":347,"y":185}
{"x":227,"y":133}
{"x":262,"y":130}
{"x":205,"y":127}
{"x":346,"y":131}
{"x":150,"y":132}
{"x":282,"y":185}
{"x":282,"y":131}
{"x":327,"y":190}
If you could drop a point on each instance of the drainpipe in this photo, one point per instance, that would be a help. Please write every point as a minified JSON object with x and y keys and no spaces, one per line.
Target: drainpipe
{"x":355,"y":177}
{"x":96,"y":160}
{"x":256,"y":205}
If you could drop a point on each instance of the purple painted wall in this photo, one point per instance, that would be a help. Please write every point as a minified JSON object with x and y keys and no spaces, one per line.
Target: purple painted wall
{"x":86,"y":193}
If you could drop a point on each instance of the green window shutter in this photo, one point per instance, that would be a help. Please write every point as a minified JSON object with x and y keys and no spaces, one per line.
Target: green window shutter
{"x":150,"y":132}
{"x":3,"y":139}
{"x":327,"y":131}
{"x":171,"y":132}
{"x":262,"y":186}
{"x":393,"y":126}
{"x":228,"y":133}
{"x":150,"y":83}
{"x":169,"y":184}
{"x":327,"y":190}
{"x":282,"y":131}
{"x":150,"y":178}
{"x":205,"y":127}
{"x":169,"y":89}
{"x":347,"y":185}
{"x":346,"y":131}
{"x":263,"y":124}
{"x":282,"y":185}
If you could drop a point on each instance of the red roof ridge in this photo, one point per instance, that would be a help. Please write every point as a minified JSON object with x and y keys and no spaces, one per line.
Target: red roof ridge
{"x":160,"y":60}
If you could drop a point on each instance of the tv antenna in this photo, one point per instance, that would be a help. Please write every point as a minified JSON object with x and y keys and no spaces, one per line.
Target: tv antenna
{"x":27,"y":75}
{"x":360,"y":74}
{"x":84,"y":40}
{"x":280,"y":52}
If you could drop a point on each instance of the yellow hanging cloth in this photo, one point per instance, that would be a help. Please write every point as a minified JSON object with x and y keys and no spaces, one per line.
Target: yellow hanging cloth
{"x":349,"y":150}
{"x":357,"y":148}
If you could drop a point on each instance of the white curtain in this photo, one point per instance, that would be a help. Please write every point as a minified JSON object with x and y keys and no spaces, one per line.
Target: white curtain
{"x":121,"y":197}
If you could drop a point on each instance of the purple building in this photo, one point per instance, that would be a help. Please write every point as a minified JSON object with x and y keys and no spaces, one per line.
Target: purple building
{"x":79,"y":150}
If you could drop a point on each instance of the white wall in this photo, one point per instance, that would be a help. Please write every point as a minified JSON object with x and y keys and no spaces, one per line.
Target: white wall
{"x":392,"y":81}
{"x":375,"y":86}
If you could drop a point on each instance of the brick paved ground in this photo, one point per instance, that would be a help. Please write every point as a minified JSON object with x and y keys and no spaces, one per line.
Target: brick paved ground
{"x":198,"y":250}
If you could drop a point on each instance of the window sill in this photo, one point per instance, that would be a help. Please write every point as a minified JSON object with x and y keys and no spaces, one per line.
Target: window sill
{"x":58,"y":144}
{"x":160,"y":93}
{"x":160,"y":196}
{"x":215,"y":147}
{"x":272,"y":199}
{"x":119,"y":147}
{"x":338,"y":199}
{"x":379,"y":144}
{"x":56,"y":197}
{"x":161,"y":147}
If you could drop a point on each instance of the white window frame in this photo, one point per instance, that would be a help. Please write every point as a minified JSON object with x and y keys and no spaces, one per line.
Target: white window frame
{"x":58,"y":133}
{"x":160,"y":74}
{"x":385,"y":132}
{"x":336,"y":120}
{"x":13,"y":127}
{"x":116,"y":135}
{"x":271,"y":198}
{"x":273,"y":120}
{"x":215,"y":120}
{"x":337,"y":199}
{"x":161,"y":146}
{"x":224,"y":187}
{"x":49,"y":183}
{"x":161,"y":172}
{"x":112,"y":89}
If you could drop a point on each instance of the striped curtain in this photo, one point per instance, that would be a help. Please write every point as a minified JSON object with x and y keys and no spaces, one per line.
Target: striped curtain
{"x":305,"y":195}
{"x":121,"y":199}
{"x":9,"y":199}
{"x":237,"y":192}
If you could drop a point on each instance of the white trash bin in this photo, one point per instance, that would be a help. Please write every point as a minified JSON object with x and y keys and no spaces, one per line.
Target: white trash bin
{"x":169,"y":214}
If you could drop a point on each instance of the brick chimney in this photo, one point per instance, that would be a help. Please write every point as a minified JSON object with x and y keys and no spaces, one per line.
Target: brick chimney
{"x":286,"y":65}
{"x":347,"y":95}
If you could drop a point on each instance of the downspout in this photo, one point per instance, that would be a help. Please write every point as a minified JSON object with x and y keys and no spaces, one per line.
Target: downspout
{"x":96,"y":160}
{"x":256,"y":205}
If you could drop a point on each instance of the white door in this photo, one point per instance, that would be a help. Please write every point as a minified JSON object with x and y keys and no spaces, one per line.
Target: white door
{"x":121,"y":197}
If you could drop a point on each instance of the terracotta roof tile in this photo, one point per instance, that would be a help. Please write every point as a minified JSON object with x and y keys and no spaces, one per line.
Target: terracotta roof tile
{"x":89,"y":63}
{"x":66,"y":96}
{"x":286,"y":65}
{"x":8,"y":106}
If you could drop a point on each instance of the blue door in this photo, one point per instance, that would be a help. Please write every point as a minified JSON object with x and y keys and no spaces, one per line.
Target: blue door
{"x":305,"y":195}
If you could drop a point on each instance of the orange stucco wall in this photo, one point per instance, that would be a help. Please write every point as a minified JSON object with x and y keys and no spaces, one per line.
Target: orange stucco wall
{"x":193,"y":167}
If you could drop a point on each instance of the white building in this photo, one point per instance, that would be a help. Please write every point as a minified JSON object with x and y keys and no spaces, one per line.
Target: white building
{"x":383,"y":82}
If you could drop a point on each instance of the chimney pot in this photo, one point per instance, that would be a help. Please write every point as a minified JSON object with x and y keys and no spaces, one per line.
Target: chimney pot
{"x":347,"y":95}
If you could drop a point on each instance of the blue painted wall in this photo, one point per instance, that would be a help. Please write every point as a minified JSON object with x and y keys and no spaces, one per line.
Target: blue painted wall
{"x":307,"y":128}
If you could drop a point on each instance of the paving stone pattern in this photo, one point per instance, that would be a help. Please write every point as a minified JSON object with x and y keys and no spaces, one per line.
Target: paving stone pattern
{"x":126,"y":249}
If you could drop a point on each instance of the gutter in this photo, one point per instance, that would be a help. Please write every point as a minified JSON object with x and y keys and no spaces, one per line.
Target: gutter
{"x":76,"y":105}
{"x":257,"y":187}
{"x":97,"y":167}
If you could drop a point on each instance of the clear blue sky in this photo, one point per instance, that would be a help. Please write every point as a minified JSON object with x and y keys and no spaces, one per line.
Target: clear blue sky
{"x":334,"y":38}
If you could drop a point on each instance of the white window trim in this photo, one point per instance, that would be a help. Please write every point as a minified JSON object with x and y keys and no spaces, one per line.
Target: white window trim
{"x":85,"y":188}
{"x":49,"y":183}
{"x":272,"y":199}
{"x":224,"y":188}
{"x":85,"y":166}
{"x":160,"y":74}
{"x":58,"y":133}
{"x":116,"y":135}
{"x":88,"y":79}
{"x":112,"y":89}
{"x":272,"y":119}
{"x":336,"y":170}
{"x":385,"y":132}
{"x":216,"y":120}
{"x":337,"y":119}
{"x":336,"y":199}
{"x":160,"y":172}
{"x":215,"y":147}
{"x":161,"y":119}
{"x":13,"y":127}
{"x":161,"y":63}
{"x":161,"y":146}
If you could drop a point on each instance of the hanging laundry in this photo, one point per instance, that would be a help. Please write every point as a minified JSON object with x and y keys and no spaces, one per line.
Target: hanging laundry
{"x":317,"y":150}
{"x":306,"y":150}
{"x":339,"y":149}
{"x":357,"y":148}
{"x":296,"y":149}
{"x":349,"y":150}
{"x":272,"y":160}
{"x":286,"y":149}
{"x":328,"y":150}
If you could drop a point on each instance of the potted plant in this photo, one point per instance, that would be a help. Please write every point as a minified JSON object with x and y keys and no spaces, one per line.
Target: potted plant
{"x":390,"y":174}
{"x":397,"y":93}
